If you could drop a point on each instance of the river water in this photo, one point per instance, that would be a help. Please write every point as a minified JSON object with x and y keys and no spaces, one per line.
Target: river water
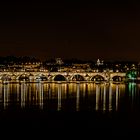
{"x":65,"y":105}
{"x":67,"y":97}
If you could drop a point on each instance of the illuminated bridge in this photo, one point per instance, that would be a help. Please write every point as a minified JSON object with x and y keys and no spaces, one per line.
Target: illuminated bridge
{"x":63,"y":76}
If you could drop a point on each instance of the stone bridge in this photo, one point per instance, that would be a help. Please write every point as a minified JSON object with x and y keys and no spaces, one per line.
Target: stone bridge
{"x":63,"y":76}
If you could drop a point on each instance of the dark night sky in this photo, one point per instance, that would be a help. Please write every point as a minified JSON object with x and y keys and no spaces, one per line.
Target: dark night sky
{"x":71,"y":30}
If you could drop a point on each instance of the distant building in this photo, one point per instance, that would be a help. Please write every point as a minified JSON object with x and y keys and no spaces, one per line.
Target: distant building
{"x":59,"y":61}
{"x":99,"y":62}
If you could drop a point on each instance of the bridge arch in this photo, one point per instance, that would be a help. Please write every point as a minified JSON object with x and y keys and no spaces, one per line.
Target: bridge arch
{"x":41,"y":77}
{"x":6,"y":77}
{"x":117,"y":78}
{"x":77,"y":77}
{"x":97,"y":78}
{"x":59,"y":77}
{"x":31,"y":76}
{"x":23,"y":77}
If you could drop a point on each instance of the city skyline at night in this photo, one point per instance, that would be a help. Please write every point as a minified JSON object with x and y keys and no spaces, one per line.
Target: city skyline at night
{"x":72,"y":66}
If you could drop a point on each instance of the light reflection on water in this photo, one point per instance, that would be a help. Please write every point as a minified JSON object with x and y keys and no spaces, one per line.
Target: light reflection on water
{"x":69,"y":96}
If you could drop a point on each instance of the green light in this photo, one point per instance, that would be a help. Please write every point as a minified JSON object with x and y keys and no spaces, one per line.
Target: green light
{"x":132,"y":74}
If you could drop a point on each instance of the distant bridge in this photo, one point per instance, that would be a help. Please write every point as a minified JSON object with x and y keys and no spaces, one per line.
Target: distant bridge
{"x":63,"y":76}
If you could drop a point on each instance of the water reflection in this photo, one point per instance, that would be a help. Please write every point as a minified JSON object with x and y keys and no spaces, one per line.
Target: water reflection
{"x":104,"y":98}
{"x":69,"y":96}
{"x":59,"y":97}
{"x":6,"y":95}
{"x":110,"y":97}
{"x":117,"y":96}
{"x":77,"y":97}
{"x":97,"y":97}
{"x":23,"y":94}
